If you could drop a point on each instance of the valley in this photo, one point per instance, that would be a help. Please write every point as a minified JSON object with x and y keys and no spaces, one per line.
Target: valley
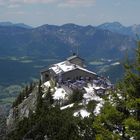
{"x":25,"y":51}
{"x":17,"y":72}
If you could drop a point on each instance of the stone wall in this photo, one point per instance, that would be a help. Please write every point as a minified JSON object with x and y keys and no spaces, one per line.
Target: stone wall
{"x":77,"y":73}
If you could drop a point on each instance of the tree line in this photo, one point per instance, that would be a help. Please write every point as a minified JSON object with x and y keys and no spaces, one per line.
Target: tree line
{"x":119,"y":118}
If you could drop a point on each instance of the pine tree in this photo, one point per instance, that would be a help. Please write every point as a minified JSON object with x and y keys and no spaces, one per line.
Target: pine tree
{"x":120,"y":116}
{"x":49,"y":97}
{"x":26,"y":91}
{"x":76,"y":96}
{"x":31,"y":87}
{"x":132,"y":89}
{"x":39,"y":98}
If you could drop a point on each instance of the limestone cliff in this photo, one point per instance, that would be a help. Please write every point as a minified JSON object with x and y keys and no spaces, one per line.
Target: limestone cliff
{"x":27,"y":106}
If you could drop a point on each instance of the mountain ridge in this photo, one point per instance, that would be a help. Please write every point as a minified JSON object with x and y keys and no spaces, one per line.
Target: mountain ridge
{"x":8,"y":23}
{"x":117,"y":27}
{"x":49,"y":39}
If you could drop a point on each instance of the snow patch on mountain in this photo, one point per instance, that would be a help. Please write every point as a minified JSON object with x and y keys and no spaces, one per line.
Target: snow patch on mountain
{"x":59,"y":94}
{"x":83,"y":113}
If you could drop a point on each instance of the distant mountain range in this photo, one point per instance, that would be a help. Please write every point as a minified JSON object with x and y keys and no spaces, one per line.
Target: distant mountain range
{"x":50,"y":41}
{"x":25,"y":50}
{"x":17,"y":25}
{"x":116,"y":27}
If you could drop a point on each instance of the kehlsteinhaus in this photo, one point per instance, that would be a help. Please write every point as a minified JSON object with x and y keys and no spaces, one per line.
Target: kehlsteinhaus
{"x":71,"y":69}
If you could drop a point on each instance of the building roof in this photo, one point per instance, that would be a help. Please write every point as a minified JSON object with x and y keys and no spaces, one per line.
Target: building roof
{"x":73,"y":57}
{"x":86,"y":70}
{"x":66,"y":66}
{"x":62,"y":67}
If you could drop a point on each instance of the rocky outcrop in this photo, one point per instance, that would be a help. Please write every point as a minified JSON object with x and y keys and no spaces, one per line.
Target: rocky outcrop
{"x":23,"y":110}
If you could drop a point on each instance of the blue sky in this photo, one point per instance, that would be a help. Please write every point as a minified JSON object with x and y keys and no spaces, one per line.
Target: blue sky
{"x":58,"y":12}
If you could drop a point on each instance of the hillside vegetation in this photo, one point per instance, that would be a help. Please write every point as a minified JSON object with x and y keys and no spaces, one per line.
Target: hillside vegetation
{"x":49,"y":41}
{"x":119,"y":117}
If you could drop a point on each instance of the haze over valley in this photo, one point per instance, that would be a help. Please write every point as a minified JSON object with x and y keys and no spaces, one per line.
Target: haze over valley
{"x":25,"y":50}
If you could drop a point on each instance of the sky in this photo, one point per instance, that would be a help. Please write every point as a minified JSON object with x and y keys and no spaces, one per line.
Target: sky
{"x":58,"y":12}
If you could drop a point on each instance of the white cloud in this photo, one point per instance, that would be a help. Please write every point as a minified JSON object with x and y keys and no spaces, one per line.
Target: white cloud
{"x":117,"y":3}
{"x":31,"y":1}
{"x":20,"y":2}
{"x":75,"y":3}
{"x":39,"y":1}
{"x":17,"y":3}
{"x":20,"y":13}
{"x":13,"y":5}
{"x":2,"y":2}
{"x":60,"y":3}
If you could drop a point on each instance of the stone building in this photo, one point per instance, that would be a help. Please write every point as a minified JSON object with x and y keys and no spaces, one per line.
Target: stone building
{"x":71,"y":69}
{"x":76,"y":60}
